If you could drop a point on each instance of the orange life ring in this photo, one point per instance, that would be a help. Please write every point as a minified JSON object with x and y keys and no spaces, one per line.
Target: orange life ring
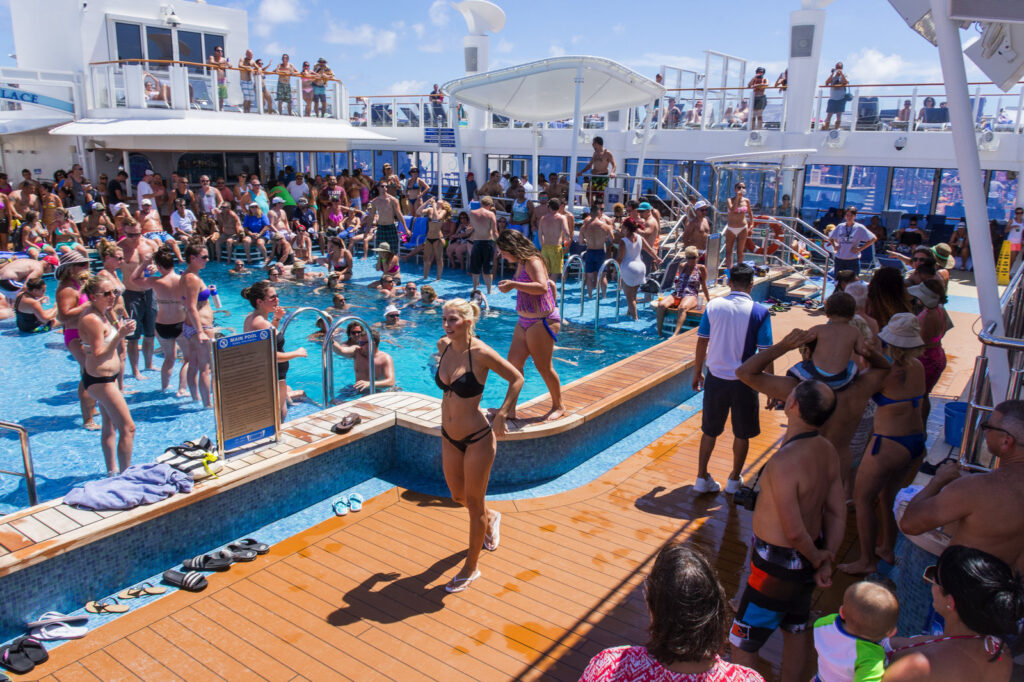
{"x":777,"y":232}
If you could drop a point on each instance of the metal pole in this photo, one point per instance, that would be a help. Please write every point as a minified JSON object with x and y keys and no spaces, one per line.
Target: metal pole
{"x":26,"y":457}
{"x":460,"y":164}
{"x":643,"y":150}
{"x":955,"y":76}
{"x":324,"y":375}
{"x":329,"y":344}
{"x":536,"y":160}
{"x":597,"y":292}
{"x":577,"y":130}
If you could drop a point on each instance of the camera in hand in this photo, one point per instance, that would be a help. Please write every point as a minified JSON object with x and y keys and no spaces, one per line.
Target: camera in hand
{"x":745,"y":497}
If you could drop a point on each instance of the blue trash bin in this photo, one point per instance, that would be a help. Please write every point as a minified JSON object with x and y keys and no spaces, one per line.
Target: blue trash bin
{"x":956,"y":417}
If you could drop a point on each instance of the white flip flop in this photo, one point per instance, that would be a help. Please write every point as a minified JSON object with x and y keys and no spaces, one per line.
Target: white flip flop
{"x":52,"y":631}
{"x":55,"y":617}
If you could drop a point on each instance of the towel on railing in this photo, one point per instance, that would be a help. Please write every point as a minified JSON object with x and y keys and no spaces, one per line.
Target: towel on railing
{"x":136,"y":485}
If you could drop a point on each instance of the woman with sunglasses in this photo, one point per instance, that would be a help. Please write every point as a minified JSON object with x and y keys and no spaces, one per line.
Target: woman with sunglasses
{"x":157,"y":273}
{"x":691,"y":279}
{"x":113,"y":260}
{"x":896,"y":446}
{"x":265,"y":302}
{"x":101,"y":343}
{"x":198,"y":326}
{"x":71,"y":274}
{"x":738,"y":224}
{"x":981,"y":600}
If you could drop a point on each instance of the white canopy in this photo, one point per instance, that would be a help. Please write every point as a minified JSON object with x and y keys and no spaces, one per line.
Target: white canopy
{"x":222,"y":132}
{"x":546,"y":90}
{"x":24,"y":124}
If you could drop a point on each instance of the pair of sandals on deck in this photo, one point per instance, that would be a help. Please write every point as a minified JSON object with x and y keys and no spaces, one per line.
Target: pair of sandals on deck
{"x":491,"y":541}
{"x":190,"y":578}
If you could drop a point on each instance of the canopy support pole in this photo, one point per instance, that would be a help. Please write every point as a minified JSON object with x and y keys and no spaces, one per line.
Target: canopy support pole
{"x":535,"y":172}
{"x":966,"y":147}
{"x":459,"y":162}
{"x":638,"y":188}
{"x":577,"y":129}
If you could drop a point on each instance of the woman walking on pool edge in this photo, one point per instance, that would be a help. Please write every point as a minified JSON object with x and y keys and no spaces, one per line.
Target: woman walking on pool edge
{"x":535,"y":303}
{"x":468,"y":443}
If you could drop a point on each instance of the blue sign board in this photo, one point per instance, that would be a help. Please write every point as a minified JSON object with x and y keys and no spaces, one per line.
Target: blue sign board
{"x":245,"y":388}
{"x":26,"y":97}
{"x":442,"y":136}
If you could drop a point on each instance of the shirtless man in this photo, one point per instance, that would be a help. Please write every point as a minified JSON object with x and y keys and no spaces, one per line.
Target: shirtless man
{"x":96,"y":226}
{"x":383,"y":365}
{"x":555,"y":234}
{"x":485,"y":231}
{"x":538,"y":211}
{"x":758,"y":84}
{"x":229,"y":226}
{"x":246,"y":69}
{"x":353,"y":189}
{"x":839,"y":429}
{"x":491,"y":188}
{"x":602,"y":169}
{"x":983,"y":510}
{"x":651,"y":233}
{"x":140,"y":303}
{"x":385,"y":209}
{"x":799,"y":522}
{"x":218,"y":62}
{"x":285,"y":72}
{"x":25,"y":198}
{"x":278,"y":218}
{"x":697,"y":229}
{"x":557,"y":189}
{"x":595,"y":233}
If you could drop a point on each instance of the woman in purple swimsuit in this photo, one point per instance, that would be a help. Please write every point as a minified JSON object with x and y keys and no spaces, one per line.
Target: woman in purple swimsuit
{"x":537,"y":331}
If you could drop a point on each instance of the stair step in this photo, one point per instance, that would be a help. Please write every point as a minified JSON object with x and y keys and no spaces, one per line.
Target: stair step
{"x":790,"y":281}
{"x":805,"y":292}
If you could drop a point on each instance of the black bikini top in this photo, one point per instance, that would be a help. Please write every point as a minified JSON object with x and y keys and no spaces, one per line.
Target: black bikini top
{"x":466,"y":386}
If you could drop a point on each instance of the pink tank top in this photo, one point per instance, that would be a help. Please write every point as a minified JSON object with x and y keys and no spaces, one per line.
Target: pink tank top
{"x":532,"y":303}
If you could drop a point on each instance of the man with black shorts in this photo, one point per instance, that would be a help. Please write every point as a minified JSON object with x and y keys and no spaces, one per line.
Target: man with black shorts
{"x":602,"y":167}
{"x":596,"y":233}
{"x":140,"y":303}
{"x":485,"y":231}
{"x":758,"y":84}
{"x":732,"y":329}
{"x":799,"y":522}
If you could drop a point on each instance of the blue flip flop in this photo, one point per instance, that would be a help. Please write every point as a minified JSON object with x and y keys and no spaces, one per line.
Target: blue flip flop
{"x":340,"y":507}
{"x":355,"y":501}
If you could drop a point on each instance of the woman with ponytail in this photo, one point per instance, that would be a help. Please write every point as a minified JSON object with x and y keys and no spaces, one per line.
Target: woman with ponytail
{"x":265,"y":302}
{"x":157,"y":273}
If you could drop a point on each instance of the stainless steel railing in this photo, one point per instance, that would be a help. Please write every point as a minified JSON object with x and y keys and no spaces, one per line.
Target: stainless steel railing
{"x":26,"y":456}
{"x":597,"y":293}
{"x":328,"y":353}
{"x":578,"y":259}
{"x":324,"y":359}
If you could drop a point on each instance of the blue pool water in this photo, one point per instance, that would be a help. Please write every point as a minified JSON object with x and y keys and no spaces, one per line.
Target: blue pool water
{"x":40,"y":378}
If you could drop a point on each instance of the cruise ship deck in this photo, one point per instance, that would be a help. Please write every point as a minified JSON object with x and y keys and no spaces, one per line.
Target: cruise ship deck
{"x":362,"y":596}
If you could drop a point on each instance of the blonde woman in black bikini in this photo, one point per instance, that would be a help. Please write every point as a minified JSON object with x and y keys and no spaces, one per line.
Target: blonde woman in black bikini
{"x":170,"y":311}
{"x":71,"y":274}
{"x":738,"y":224}
{"x":101,"y":341}
{"x":438,"y":213}
{"x":468,"y":442}
{"x":113,"y":259}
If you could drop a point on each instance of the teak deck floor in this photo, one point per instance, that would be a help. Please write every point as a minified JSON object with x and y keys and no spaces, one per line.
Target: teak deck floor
{"x":362,"y":596}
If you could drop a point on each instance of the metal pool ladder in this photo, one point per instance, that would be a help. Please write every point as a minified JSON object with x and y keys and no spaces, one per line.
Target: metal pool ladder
{"x":26,"y":455}
{"x":618,"y":290}
{"x":324,"y":358}
{"x":328,"y":353}
{"x":578,"y":259}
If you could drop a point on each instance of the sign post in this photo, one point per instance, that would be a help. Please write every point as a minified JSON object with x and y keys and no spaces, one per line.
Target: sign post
{"x":245,"y":395}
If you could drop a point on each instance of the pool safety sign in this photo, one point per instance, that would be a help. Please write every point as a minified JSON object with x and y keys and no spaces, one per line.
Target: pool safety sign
{"x":245,"y":396}
{"x":442,"y":136}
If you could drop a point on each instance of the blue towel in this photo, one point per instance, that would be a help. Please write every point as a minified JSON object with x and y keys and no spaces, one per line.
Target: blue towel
{"x":136,"y":485}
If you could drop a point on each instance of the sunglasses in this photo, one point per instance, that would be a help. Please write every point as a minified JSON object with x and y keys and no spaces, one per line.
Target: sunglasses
{"x":275,"y":297}
{"x":985,"y":426}
{"x":132,"y":235}
{"x":931,"y":575}
{"x":113,"y":293}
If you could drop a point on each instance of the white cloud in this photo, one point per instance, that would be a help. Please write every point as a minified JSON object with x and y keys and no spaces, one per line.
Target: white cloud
{"x":576,"y":40}
{"x":438,"y":13}
{"x":870,"y":65}
{"x":406,"y":87}
{"x":619,"y":28}
{"x":419,"y":30}
{"x":276,"y":49}
{"x":379,"y":41}
{"x":556,"y":50}
{"x":272,"y":13}
{"x":504,"y":47}
{"x":434,"y":47}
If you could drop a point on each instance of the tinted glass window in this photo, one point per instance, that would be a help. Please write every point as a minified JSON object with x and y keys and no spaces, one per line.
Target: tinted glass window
{"x":823,"y":186}
{"x":129,"y":40}
{"x":1002,"y":194}
{"x":912,"y":190}
{"x":865,"y":188}
{"x":158,"y":46}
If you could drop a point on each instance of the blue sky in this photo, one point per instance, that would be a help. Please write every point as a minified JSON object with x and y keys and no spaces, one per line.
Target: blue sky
{"x":404,"y":46}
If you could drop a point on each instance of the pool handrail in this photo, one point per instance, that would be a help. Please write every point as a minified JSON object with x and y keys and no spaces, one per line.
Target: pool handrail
{"x":597,"y":292}
{"x":326,"y":317}
{"x":328,"y":353}
{"x":575,"y":258}
{"x":26,"y":456}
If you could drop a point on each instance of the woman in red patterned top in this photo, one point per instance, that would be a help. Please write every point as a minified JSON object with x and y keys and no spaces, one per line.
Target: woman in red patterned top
{"x":688,"y":628}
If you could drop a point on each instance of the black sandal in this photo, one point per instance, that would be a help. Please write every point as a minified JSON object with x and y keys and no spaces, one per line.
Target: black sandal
{"x":346,"y":424}
{"x":207,"y":562}
{"x":190,"y":581}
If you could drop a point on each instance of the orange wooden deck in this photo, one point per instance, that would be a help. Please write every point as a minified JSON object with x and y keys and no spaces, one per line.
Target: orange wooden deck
{"x":361,"y":597}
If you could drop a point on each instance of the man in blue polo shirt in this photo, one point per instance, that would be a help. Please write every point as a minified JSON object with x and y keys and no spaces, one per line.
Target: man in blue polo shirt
{"x":732,"y":329}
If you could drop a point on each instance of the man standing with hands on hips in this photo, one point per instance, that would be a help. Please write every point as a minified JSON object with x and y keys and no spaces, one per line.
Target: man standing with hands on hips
{"x":849,"y":239}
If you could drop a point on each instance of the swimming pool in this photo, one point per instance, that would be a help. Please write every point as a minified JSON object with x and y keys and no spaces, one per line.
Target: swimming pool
{"x":40,"y":378}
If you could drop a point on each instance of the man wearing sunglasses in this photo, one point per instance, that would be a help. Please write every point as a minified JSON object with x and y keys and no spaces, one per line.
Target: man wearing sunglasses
{"x":985,"y":510}
{"x":139,"y":302}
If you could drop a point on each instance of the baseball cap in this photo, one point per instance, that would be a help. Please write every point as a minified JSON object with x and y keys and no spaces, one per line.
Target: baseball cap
{"x":277,"y":200}
{"x":392,"y":310}
{"x":700,"y":204}
{"x":149,"y":171}
{"x":645,"y":206}
{"x":147,"y":202}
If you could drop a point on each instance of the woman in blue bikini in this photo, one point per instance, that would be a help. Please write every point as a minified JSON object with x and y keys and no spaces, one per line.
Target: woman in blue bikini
{"x":896,"y":445}
{"x":468,"y":442}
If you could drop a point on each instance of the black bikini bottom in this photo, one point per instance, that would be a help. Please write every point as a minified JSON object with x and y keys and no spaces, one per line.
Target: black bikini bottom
{"x":462,"y":443}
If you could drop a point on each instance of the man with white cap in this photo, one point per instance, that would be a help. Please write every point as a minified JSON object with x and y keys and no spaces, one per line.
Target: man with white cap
{"x":278,"y":218}
{"x":392,"y":317}
{"x":697,"y":229}
{"x":144,"y":190}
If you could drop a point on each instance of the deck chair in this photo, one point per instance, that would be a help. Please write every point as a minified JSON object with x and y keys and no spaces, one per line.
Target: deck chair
{"x":886,"y":262}
{"x":868,"y":116}
{"x":935,"y":118}
{"x":411,"y":115}
{"x":380,"y":115}
{"x":419,"y":235}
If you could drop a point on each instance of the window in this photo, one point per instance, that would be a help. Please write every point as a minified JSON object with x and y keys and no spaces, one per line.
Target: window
{"x":823,"y":186}
{"x":647,"y":186}
{"x":340,"y":161}
{"x":363,"y":159}
{"x":241,"y":162}
{"x":1002,"y":194}
{"x":701,"y":177}
{"x":550,"y":164}
{"x":865,"y":188}
{"x":211,"y":41}
{"x":325,"y":163}
{"x":912,"y":190}
{"x":158,"y":46}
{"x":190,"y":49}
{"x":129,"y":40}
{"x":194,"y":164}
{"x":404,"y":161}
{"x":379,"y":159}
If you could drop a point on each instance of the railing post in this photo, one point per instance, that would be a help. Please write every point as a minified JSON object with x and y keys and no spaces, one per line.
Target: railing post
{"x":1020,"y":109}
{"x":341,"y":108}
{"x":912,"y":123}
{"x":257,"y":84}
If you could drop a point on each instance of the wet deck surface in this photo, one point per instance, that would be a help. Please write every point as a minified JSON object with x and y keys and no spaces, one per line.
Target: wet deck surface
{"x":362,"y":596}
